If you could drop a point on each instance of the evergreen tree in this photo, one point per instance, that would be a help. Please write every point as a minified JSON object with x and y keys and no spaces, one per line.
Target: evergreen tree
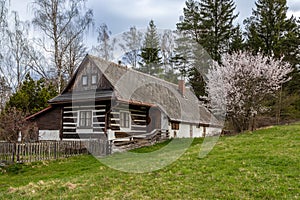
{"x":32,"y":95}
{"x":210,"y":24}
{"x":183,"y":55}
{"x":216,"y":26}
{"x":190,"y":23}
{"x":269,"y":30}
{"x":150,"y":53}
{"x":237,"y":40}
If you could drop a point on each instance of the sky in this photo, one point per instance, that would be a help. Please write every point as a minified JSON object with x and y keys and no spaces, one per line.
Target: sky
{"x":120,"y":15}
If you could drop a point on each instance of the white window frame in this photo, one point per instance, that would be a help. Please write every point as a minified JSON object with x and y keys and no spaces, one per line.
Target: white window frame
{"x":94,"y":79}
{"x":79,"y":119}
{"x":129,"y":120}
{"x":83,"y":78}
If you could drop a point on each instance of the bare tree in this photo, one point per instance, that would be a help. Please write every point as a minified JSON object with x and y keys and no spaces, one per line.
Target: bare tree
{"x":56,"y":18}
{"x":131,"y":46}
{"x":106,"y":45}
{"x":18,"y":46}
{"x":167,"y":46}
{"x":14,"y":121}
{"x":3,"y":26}
{"x":5,"y":91}
{"x":74,"y":54}
{"x":3,"y":14}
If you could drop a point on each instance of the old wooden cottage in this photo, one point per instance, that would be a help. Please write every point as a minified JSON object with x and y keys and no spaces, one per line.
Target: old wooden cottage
{"x":107,"y":100}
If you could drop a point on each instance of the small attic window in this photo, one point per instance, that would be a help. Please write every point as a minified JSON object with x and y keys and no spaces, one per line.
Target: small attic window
{"x":94,"y":79}
{"x":84,"y":80}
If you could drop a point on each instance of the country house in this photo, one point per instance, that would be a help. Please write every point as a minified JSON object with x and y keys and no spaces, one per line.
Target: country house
{"x":107,"y":100}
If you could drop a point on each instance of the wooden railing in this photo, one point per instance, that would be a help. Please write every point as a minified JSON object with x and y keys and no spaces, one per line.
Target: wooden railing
{"x":38,"y":151}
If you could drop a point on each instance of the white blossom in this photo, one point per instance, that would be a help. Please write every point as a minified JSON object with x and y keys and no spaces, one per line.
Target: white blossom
{"x":238,"y":86}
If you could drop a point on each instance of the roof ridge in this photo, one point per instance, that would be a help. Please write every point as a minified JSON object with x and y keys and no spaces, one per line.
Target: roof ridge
{"x":134,"y":70}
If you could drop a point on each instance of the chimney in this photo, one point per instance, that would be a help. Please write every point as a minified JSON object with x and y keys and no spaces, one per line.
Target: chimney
{"x":181,"y":87}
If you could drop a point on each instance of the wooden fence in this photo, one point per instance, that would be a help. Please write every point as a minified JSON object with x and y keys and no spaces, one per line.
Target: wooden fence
{"x":38,"y":151}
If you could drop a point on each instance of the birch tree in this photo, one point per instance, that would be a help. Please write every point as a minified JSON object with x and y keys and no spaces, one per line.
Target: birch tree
{"x":242,"y":83}
{"x":131,"y":46}
{"x":18,"y":59}
{"x":55,"y":18}
{"x":106,"y":44}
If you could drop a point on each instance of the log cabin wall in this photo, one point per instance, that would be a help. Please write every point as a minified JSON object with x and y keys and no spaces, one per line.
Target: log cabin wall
{"x":93,"y":115}
{"x":155,"y":119}
{"x":49,"y":120}
{"x":137,"y":118}
{"x":95,"y":79}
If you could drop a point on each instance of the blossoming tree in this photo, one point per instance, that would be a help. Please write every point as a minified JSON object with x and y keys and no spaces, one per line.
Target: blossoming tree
{"x":237,"y":87}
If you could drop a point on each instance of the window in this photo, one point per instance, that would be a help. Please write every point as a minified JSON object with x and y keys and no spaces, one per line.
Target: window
{"x":175,"y":125}
{"x":84,"y":80}
{"x":94,"y":79}
{"x":85,"y":119}
{"x":124,"y":119}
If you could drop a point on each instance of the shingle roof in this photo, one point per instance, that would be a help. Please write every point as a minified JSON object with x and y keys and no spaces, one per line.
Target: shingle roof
{"x":134,"y":86}
{"x":82,"y":96}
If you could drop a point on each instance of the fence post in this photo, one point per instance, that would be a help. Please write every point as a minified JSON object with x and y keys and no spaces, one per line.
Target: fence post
{"x":13,"y":152}
{"x":55,"y":155}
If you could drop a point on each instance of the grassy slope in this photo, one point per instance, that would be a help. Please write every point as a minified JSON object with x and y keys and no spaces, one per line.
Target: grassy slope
{"x":264,"y":164}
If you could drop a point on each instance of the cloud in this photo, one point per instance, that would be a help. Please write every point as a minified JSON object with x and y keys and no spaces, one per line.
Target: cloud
{"x":294,"y":6}
{"x":117,"y":13}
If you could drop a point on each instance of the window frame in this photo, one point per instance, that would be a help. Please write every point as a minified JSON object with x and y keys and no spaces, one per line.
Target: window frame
{"x":82,"y":80}
{"x":125,"y":119}
{"x":96,"y":78}
{"x":175,"y":125}
{"x":83,"y":117}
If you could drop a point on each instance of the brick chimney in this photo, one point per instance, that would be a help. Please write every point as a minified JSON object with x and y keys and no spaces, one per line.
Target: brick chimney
{"x":181,"y":87}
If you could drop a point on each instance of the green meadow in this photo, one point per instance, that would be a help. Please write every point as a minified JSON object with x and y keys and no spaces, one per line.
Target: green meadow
{"x":264,"y":164}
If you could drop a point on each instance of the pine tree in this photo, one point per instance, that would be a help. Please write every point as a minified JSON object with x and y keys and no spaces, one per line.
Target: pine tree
{"x":150,"y":52}
{"x":210,"y":24}
{"x":190,"y":23}
{"x":237,"y":40}
{"x":183,"y":55}
{"x":269,"y":30}
{"x":32,"y":95}
{"x":216,"y":26}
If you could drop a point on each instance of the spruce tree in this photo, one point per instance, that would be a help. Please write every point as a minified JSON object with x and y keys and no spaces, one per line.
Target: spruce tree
{"x":32,"y":95}
{"x":189,"y":24}
{"x":269,"y":30}
{"x":150,"y":53}
{"x":237,"y":42}
{"x":216,"y":26}
{"x":210,"y":24}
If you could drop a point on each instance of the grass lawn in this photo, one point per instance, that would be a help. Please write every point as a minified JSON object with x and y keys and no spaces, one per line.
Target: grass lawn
{"x":264,"y":164}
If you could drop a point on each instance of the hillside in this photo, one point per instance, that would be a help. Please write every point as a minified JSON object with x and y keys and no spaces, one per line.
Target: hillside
{"x":259,"y":165}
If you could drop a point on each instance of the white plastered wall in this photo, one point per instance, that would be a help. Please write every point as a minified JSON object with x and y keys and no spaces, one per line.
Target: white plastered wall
{"x":49,"y":135}
{"x":185,"y":131}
